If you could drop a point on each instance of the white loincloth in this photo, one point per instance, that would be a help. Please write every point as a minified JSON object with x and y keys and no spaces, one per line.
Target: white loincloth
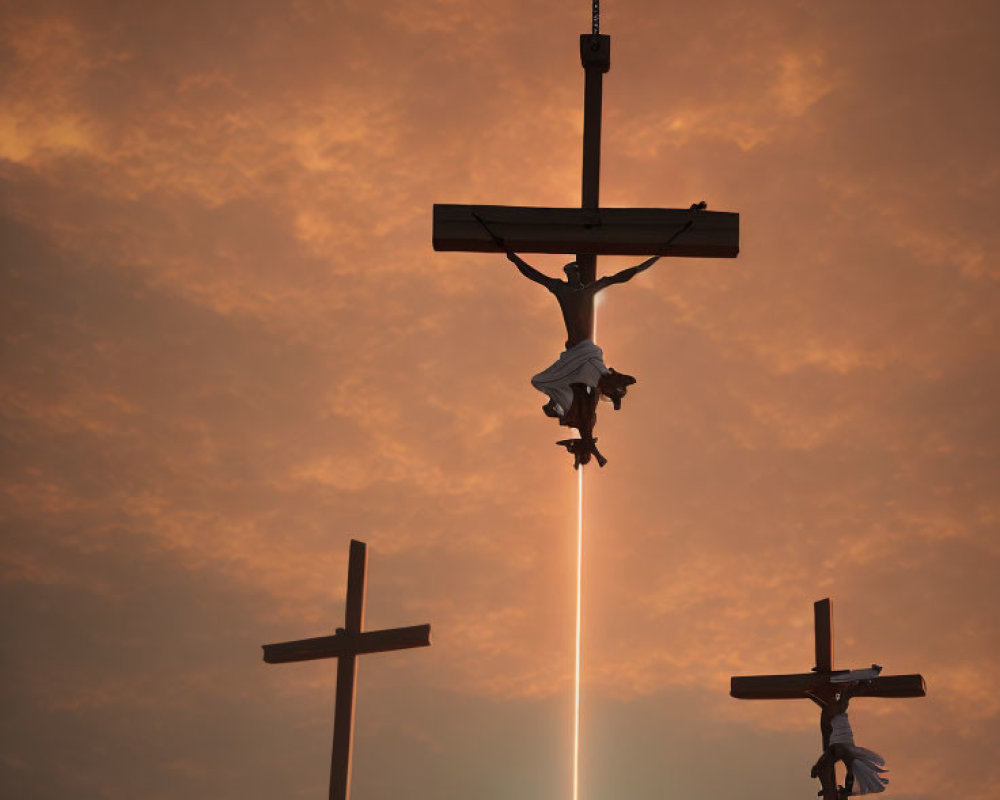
{"x":582,"y":363}
{"x":840,"y":730}
{"x":867,"y":765}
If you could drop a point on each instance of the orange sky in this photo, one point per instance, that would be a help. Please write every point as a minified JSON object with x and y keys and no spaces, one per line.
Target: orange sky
{"x":229,"y":349}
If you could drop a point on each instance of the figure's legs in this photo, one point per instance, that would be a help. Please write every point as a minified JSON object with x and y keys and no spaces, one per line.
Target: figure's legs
{"x":842,"y":753}
{"x":582,"y":416}
{"x":823,"y":769}
{"x":820,"y":764}
{"x":847,"y":757}
{"x":582,"y":413}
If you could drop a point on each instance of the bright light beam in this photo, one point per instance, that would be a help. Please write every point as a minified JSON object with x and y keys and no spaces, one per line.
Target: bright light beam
{"x":579,"y":576}
{"x":579,"y":603}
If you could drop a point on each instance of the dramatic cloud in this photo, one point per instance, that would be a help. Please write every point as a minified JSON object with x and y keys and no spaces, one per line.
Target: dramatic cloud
{"x":228,"y":348}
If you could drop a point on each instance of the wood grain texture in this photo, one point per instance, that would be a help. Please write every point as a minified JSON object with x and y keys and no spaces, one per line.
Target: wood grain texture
{"x":598,"y":231}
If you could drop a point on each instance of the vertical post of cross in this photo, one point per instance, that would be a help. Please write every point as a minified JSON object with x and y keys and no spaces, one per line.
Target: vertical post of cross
{"x":595,"y":56}
{"x":823,"y":622}
{"x":347,"y":671}
{"x":823,"y":627}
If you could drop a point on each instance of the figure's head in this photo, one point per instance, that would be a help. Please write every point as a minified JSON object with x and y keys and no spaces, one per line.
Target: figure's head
{"x":572,"y":270}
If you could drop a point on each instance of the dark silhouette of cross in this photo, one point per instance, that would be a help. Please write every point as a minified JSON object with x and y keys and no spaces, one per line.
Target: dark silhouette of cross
{"x":345,"y":645}
{"x":785,"y":687}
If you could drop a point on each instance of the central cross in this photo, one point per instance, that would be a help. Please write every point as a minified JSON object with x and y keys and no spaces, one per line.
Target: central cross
{"x":590,"y":230}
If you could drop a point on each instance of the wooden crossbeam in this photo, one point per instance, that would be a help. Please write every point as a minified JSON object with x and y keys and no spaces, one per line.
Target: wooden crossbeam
{"x":598,"y":231}
{"x":346,"y":645}
{"x":795,"y":686}
{"x":791,"y":687}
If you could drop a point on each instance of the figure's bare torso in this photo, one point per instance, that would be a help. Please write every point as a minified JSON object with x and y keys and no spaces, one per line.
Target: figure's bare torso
{"x":577,"y":309}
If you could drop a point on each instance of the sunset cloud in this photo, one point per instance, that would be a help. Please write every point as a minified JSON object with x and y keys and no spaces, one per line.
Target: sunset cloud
{"x":229,"y":349}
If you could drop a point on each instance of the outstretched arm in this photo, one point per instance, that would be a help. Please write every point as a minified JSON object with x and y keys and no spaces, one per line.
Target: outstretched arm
{"x":529,"y":271}
{"x":625,"y":274}
{"x":523,"y":266}
{"x":631,"y":272}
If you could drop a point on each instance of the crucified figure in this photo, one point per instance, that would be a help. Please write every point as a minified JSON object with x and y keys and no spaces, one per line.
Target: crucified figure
{"x":578,"y":378}
{"x":574,"y":296}
{"x":864,"y":767}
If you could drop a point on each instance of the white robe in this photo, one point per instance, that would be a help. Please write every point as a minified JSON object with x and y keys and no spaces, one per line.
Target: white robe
{"x":868,"y":766}
{"x":582,"y":363}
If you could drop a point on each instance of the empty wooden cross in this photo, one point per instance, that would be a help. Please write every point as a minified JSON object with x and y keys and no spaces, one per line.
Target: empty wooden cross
{"x":348,"y":643}
{"x":589,"y":230}
{"x":784,"y":687}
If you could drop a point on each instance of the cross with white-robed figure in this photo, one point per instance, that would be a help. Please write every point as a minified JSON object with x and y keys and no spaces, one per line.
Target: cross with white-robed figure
{"x":832,"y":690}
{"x":579,"y":377}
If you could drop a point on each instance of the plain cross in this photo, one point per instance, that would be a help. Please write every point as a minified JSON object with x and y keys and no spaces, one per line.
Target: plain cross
{"x":784,"y":687}
{"x":348,"y":643}
{"x":589,"y":230}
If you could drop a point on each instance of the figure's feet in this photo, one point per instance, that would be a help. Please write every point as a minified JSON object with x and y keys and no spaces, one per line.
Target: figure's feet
{"x":581,"y":454}
{"x":582,"y":450}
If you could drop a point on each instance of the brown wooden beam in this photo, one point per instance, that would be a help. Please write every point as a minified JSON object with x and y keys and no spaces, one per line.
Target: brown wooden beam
{"x":823,"y":622}
{"x":595,"y":56}
{"x":602,"y":231}
{"x":357,"y":577}
{"x":347,"y":673}
{"x":893,"y":686}
{"x":793,"y":687}
{"x":774,"y":687}
{"x":345,"y":644}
